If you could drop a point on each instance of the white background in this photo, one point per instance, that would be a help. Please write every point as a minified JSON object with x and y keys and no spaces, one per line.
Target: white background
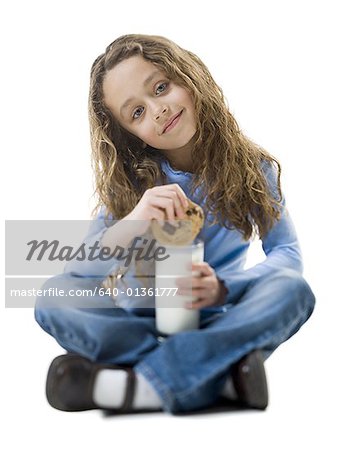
{"x":280,"y":64}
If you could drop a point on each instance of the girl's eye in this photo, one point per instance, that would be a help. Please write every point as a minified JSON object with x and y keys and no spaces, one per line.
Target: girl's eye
{"x":138,"y":112}
{"x":161,"y":88}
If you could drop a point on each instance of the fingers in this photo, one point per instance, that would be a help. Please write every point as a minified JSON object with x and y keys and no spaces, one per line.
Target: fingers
{"x":177,"y":209}
{"x":188,"y":286}
{"x":161,"y":203}
{"x":203,"y":268}
{"x":203,"y":288}
{"x":180,"y":193}
{"x":198,"y":293}
{"x":200,"y":303}
{"x":167,"y":205}
{"x":206,"y":278}
{"x":197,"y":287}
{"x":170,"y":198}
{"x":158,"y":214}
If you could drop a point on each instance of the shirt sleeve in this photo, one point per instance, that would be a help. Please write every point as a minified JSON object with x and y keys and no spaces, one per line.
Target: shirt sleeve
{"x":280,"y":245}
{"x":92,"y":264}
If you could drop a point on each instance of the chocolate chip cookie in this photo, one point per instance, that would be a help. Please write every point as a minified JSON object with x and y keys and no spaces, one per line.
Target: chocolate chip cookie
{"x":185,"y":230}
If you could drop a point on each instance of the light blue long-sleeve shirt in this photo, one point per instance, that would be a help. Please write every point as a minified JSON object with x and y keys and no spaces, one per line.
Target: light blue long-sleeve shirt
{"x":225,"y":250}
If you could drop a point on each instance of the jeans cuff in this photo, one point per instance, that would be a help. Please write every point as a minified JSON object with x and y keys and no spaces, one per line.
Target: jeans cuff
{"x":166,"y":395}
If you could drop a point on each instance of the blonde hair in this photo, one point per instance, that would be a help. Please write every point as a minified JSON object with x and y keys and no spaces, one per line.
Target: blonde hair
{"x":229,"y":169}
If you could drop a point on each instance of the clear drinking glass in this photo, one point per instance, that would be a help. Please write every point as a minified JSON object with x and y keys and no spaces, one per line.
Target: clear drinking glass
{"x":171,"y":314}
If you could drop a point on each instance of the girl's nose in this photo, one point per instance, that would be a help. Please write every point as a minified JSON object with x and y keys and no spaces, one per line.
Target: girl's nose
{"x":161,"y":111}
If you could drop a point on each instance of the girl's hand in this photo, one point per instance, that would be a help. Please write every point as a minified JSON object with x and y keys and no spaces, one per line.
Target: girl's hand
{"x":208,"y":289}
{"x":166,"y":202}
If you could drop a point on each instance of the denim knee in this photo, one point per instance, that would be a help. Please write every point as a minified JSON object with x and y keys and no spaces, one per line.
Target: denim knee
{"x":52,"y":312}
{"x":64,"y":324}
{"x":45,"y":304}
{"x":296,"y":284}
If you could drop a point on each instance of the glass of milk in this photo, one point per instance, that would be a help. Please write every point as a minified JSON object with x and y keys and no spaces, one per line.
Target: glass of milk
{"x":171,"y":314}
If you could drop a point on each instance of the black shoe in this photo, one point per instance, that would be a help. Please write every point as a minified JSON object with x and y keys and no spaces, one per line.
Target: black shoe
{"x":249,"y":380}
{"x":70,"y":383}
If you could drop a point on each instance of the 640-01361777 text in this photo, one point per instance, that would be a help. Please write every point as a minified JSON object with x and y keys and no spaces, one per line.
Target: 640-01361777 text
{"x":130,"y":292}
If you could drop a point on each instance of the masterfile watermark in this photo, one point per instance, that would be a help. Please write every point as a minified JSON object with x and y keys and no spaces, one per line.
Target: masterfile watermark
{"x":145,"y":251}
{"x":46,"y":247}
{"x":63,"y":258}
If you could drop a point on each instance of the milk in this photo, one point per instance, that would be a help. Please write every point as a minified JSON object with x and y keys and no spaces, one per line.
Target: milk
{"x":171,"y":314}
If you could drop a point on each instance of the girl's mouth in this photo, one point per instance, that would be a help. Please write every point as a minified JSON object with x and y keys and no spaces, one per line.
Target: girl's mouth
{"x":172,"y":122}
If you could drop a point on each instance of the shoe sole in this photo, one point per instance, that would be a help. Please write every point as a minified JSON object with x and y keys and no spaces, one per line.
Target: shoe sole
{"x":55,"y":397}
{"x":250,"y":381}
{"x":51,"y":387}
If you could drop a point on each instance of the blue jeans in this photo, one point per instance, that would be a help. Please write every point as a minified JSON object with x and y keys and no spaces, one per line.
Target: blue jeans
{"x":188,"y":369}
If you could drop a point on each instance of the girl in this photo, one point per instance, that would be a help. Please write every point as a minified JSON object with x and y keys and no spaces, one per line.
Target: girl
{"x":161,"y":133}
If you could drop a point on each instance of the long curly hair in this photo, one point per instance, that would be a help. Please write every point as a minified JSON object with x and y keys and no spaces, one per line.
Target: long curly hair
{"x":229,"y":169}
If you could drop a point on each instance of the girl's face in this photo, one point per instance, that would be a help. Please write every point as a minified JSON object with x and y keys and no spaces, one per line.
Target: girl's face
{"x":149,"y":105}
